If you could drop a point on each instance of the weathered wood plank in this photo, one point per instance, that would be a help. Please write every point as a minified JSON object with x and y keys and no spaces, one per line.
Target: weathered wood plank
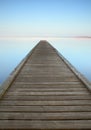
{"x":46,"y":98}
{"x":48,"y":93}
{"x":48,"y":90}
{"x":45,"y":79}
{"x":57,"y":124}
{"x":46,"y":86}
{"x":47,"y":109}
{"x":51,"y":83}
{"x":45,"y":116}
{"x":50,"y":103}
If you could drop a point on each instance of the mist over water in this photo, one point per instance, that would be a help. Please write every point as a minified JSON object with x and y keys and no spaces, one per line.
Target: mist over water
{"x":76,"y":51}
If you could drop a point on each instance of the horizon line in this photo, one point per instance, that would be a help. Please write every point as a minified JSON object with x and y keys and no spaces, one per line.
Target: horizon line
{"x":45,"y":37}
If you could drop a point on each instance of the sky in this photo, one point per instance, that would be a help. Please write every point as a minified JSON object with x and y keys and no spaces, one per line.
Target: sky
{"x":52,"y":18}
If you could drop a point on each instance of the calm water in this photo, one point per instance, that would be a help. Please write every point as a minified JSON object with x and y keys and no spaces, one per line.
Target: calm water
{"x":77,"y":51}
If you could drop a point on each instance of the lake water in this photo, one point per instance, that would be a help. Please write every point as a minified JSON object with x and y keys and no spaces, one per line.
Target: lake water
{"x":76,"y":51}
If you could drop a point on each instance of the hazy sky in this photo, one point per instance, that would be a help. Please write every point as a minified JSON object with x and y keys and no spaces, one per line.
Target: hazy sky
{"x":45,"y":17}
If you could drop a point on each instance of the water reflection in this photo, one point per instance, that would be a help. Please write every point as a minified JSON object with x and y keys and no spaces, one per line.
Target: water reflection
{"x":77,"y":51}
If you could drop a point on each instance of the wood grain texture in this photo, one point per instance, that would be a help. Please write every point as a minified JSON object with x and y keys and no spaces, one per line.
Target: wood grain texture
{"x":45,"y":94}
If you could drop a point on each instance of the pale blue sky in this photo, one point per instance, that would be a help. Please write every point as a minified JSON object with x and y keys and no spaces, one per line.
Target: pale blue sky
{"x":45,"y":17}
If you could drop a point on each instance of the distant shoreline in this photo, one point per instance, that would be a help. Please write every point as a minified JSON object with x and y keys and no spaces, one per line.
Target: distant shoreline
{"x":44,"y":37}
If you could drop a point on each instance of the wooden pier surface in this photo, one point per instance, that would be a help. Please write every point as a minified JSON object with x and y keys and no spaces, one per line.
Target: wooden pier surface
{"x":45,"y":92}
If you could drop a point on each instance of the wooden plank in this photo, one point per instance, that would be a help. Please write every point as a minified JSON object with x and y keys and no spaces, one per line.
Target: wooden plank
{"x":46,"y":86}
{"x":45,"y":79}
{"x":50,"y":83}
{"x":20,"y":89}
{"x":56,"y":70}
{"x":47,"y":109}
{"x":28,"y":124}
{"x":46,"y":98}
{"x":46,"y":68}
{"x":45,"y":65}
{"x":50,"y":103}
{"x":48,"y":90}
{"x":45,"y":74}
{"x":48,"y":93}
{"x":45,"y":116}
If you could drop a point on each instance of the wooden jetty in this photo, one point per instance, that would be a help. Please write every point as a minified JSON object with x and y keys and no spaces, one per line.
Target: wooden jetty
{"x":45,"y":92}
